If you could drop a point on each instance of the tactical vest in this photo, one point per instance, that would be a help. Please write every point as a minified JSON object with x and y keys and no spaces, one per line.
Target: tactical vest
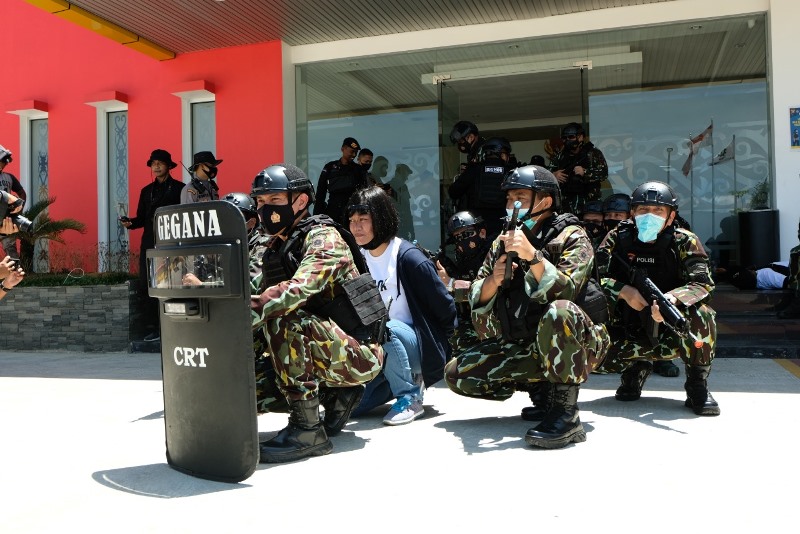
{"x":659,"y":259}
{"x":356,"y":305}
{"x":518,"y":315}
{"x":487,"y":192}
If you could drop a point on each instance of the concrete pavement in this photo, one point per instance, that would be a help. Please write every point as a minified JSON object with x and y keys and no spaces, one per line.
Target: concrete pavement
{"x":83,"y":449}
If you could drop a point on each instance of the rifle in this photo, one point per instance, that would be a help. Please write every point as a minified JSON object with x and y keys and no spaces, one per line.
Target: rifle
{"x":672,"y":316}
{"x":511,"y":256}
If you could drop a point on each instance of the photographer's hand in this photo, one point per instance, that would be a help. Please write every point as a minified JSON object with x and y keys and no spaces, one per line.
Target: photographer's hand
{"x":8,"y":227}
{"x":560,"y":175}
{"x":5,"y":267}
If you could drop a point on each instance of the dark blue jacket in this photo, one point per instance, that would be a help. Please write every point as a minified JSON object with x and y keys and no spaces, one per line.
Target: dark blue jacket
{"x":432,"y":308}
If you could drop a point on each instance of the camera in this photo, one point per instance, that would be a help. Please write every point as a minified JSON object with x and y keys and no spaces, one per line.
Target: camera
{"x":14,"y":264}
{"x":24,"y":224}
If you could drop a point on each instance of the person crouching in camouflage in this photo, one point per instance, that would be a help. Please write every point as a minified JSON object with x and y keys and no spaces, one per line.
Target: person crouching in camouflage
{"x":268,"y":397}
{"x":533,"y":331}
{"x":468,"y":232}
{"x":650,"y":248}
{"x":304,"y":268}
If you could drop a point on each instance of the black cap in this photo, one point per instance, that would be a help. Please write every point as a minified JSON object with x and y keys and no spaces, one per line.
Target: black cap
{"x":352,"y":143}
{"x":205,"y":156}
{"x":161,"y":155}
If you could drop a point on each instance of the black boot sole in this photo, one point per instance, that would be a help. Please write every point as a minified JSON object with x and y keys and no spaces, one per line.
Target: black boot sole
{"x":576,"y":435}
{"x":625,"y":397}
{"x":707,"y":410}
{"x":280,"y":457}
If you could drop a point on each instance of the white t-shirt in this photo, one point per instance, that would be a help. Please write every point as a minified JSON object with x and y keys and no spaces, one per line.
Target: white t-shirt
{"x":769,"y":279}
{"x":383,"y":269}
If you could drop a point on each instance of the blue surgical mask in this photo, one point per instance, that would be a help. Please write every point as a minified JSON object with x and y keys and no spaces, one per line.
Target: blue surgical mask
{"x":649,"y":225}
{"x":522,"y":212}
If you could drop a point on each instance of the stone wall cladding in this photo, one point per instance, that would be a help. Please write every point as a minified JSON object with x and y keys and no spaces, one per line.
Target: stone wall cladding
{"x":76,"y":318}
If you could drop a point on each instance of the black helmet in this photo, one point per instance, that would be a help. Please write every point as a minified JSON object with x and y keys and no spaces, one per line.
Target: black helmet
{"x":573,"y":128}
{"x":282,"y":177}
{"x":244,"y":203}
{"x":462,"y":219}
{"x":654,"y":194}
{"x":535,"y":178}
{"x":593,"y":206}
{"x":461,"y":130}
{"x":617,"y":202}
{"x":493,"y":147}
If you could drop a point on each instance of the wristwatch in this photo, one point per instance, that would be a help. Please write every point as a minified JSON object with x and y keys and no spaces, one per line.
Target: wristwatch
{"x":538,"y":257}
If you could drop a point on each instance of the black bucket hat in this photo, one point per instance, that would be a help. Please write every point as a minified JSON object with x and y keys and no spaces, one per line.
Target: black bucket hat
{"x":205,"y":156}
{"x":161,"y":155}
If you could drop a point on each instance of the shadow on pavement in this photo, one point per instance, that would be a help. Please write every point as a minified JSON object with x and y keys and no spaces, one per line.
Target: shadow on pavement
{"x":160,"y":481}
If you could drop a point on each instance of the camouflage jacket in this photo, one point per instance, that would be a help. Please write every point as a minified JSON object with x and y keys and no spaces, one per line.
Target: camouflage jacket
{"x":567,"y":269}
{"x":326,"y":263}
{"x":694,"y":270}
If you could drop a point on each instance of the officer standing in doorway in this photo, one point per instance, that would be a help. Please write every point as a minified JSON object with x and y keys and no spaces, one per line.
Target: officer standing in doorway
{"x":339,"y":179}
{"x":466,"y":136}
{"x":579,"y":168}
{"x":477,"y":189}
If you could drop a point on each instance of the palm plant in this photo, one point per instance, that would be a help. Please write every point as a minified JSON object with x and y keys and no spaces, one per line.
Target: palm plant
{"x":43,"y":228}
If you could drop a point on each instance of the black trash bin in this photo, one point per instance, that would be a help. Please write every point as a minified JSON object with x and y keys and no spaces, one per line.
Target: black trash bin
{"x":759,"y":238}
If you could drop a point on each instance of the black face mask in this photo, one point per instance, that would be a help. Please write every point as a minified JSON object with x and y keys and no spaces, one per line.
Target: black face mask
{"x":594,"y":229}
{"x":467,"y":250}
{"x":571,"y":144}
{"x":610,"y":224}
{"x":275,"y":218}
{"x":211,"y":173}
{"x":463,"y":147}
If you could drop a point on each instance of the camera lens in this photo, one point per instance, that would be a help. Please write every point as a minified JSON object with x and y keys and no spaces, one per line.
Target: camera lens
{"x":25,"y":225}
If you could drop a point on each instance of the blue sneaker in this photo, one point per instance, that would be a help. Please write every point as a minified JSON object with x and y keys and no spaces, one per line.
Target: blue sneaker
{"x":404,"y":411}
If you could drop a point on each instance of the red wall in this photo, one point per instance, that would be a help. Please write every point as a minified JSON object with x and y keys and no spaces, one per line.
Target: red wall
{"x":51,"y":60}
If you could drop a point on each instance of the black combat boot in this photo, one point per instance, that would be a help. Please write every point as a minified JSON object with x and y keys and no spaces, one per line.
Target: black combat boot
{"x":305,"y":436}
{"x":698,"y":398}
{"x":666,"y":368}
{"x":561,"y":424}
{"x":339,"y":403}
{"x":633,"y":379}
{"x":541,"y":394}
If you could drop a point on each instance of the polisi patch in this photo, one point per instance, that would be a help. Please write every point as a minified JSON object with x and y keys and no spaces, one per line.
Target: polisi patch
{"x":188,"y":225}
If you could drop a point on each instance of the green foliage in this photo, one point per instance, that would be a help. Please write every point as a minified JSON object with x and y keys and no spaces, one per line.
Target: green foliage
{"x":759,"y":195}
{"x":75,"y":278}
{"x":43,"y":228}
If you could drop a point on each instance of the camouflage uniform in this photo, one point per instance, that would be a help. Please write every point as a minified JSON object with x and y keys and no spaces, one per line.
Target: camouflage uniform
{"x":307,"y":350}
{"x":629,"y":342}
{"x":567,"y":345}
{"x":579,"y":189}
{"x":268,"y":397}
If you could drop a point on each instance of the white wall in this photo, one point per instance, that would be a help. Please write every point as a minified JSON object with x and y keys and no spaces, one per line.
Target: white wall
{"x":785,"y":78}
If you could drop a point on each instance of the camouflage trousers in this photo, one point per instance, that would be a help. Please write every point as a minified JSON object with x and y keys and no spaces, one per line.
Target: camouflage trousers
{"x":307,"y":351}
{"x":268,"y":396}
{"x":566,"y":348}
{"x":464,"y":337}
{"x":702,"y":325}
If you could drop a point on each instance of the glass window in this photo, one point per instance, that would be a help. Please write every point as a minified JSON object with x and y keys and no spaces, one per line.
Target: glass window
{"x":117,"y":187}
{"x":40,"y":175}
{"x":186,"y":271}
{"x":204,"y":127}
{"x":643,"y":94}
